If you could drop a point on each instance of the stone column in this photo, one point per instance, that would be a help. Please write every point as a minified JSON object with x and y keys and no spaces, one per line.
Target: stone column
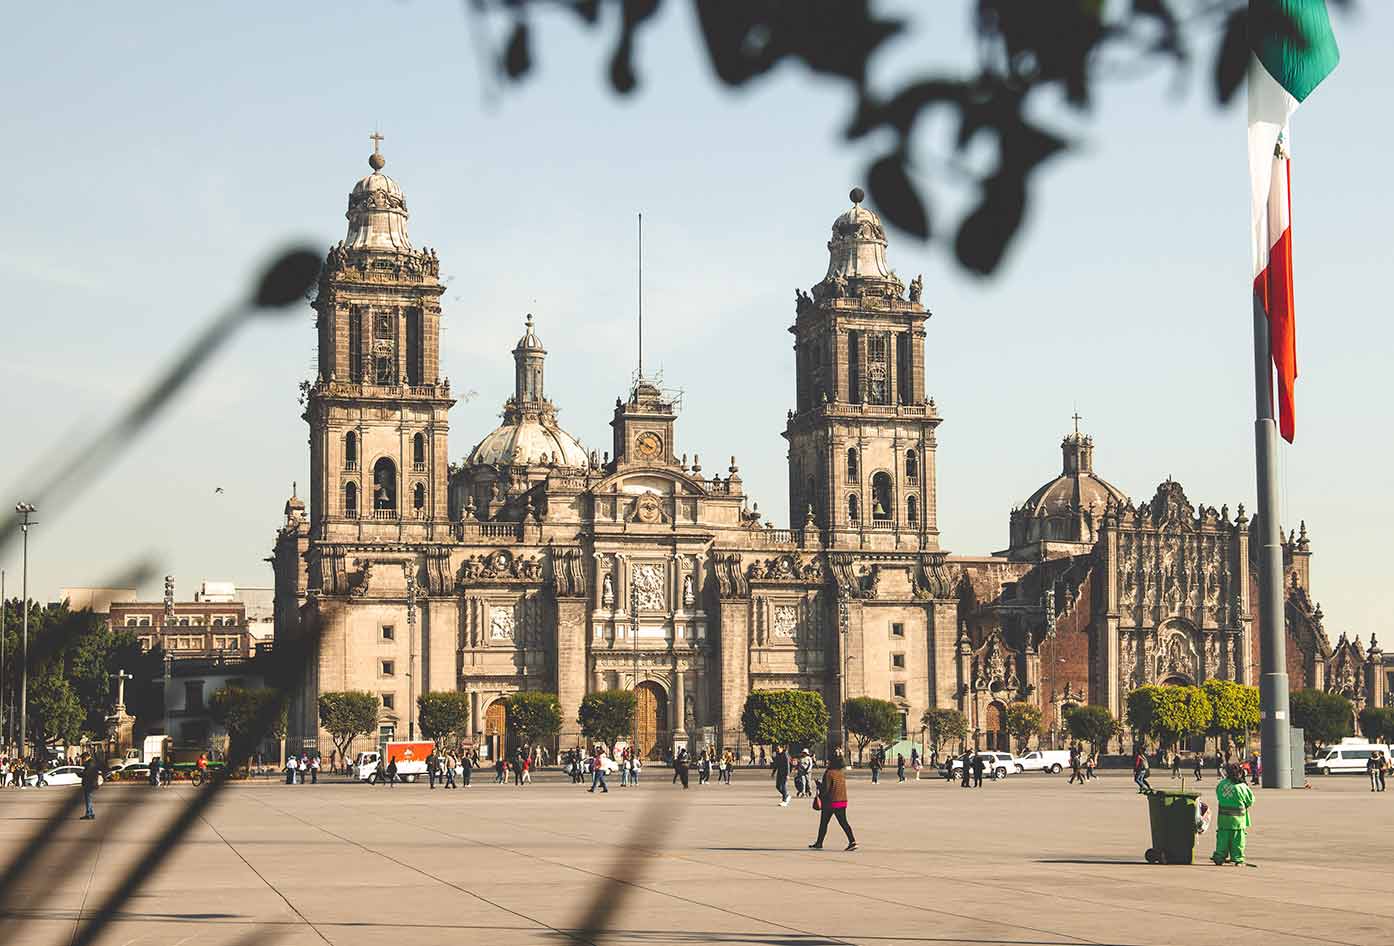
{"x":679,"y":707}
{"x":571,"y":634}
{"x":733,"y":647}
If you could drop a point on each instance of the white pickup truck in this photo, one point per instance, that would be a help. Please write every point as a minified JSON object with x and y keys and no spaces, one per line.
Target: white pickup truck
{"x":1053,"y":761}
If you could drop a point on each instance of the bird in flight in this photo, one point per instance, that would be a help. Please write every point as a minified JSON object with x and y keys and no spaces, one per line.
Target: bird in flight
{"x":217,"y":489}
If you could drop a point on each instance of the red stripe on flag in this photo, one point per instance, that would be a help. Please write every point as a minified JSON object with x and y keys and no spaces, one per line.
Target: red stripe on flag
{"x":1274,"y":290}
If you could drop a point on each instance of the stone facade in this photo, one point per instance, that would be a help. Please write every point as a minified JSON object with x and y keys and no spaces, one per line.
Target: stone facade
{"x":536,"y":564}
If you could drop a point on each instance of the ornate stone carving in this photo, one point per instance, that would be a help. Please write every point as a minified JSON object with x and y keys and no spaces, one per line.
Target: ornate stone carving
{"x":501,"y":624}
{"x":569,"y":573}
{"x":786,"y":621}
{"x":501,"y":566}
{"x":607,"y":592}
{"x":688,"y":599}
{"x":648,"y":581}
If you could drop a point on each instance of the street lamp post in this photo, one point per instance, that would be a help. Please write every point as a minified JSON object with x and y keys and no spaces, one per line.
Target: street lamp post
{"x":634,"y":650}
{"x":25,"y":510}
{"x":4,"y":707}
{"x":842,"y":674}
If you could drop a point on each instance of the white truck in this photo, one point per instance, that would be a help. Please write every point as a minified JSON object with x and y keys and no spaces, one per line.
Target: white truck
{"x":409,"y":756}
{"x":1052,"y":761}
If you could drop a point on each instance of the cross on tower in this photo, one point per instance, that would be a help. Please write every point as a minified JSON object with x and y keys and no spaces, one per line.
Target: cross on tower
{"x":1076,"y":419}
{"x":376,"y":138}
{"x":121,"y":677}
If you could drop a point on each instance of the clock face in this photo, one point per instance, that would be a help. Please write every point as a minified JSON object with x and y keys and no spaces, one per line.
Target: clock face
{"x":649,"y":445}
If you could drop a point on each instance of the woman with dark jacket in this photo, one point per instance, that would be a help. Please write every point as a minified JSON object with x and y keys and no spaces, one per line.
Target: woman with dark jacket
{"x":832,"y":798}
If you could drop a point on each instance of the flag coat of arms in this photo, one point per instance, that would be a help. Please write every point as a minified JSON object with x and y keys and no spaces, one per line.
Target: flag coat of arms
{"x":1292,"y":49}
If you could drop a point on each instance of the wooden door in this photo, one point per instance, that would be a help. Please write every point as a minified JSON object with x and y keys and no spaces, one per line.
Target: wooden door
{"x":997,"y":737}
{"x":650,"y":720}
{"x":496,"y":728}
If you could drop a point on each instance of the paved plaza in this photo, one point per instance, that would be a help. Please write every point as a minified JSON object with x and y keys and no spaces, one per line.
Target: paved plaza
{"x":1031,"y":860}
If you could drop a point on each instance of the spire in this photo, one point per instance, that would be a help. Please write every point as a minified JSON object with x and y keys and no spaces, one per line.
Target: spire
{"x":377,"y":211}
{"x":528,"y":359}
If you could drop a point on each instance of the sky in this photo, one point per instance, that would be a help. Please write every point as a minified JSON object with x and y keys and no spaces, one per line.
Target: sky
{"x":158,"y":155}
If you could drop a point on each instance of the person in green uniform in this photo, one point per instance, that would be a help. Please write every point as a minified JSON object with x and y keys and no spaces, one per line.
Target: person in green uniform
{"x":1232,"y":822}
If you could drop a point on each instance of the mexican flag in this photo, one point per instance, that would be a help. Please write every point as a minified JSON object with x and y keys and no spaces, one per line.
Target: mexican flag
{"x":1292,"y":51}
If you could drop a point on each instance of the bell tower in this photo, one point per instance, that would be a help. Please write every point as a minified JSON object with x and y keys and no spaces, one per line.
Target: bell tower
{"x":378,"y":407}
{"x":861,"y":435}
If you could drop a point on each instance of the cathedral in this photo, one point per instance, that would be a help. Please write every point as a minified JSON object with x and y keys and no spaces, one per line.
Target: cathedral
{"x":536,"y":564}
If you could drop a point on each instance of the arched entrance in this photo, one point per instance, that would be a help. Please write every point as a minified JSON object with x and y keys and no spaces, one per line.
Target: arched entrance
{"x":650,"y":720}
{"x":496,"y":729}
{"x":995,"y":726}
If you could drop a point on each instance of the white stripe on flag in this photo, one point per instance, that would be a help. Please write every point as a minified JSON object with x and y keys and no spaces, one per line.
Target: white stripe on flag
{"x":1270,"y":106}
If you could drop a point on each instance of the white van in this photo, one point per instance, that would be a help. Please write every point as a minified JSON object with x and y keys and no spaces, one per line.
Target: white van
{"x":1345,"y":757}
{"x":1044,"y":760}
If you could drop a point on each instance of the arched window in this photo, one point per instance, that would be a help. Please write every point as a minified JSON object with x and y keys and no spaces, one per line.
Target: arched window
{"x":384,"y":485}
{"x":912,"y":465}
{"x":350,"y":451}
{"x":852,"y":472}
{"x":418,"y":497}
{"x":351,"y":500}
{"x":912,"y":510}
{"x":418,"y":451}
{"x":882,"y":507}
{"x":853,"y":509}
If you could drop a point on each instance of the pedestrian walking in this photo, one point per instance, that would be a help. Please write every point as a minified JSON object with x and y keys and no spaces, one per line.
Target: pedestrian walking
{"x":916,"y":763}
{"x":1091,"y":762}
{"x":499,"y":769}
{"x":1175,"y":764}
{"x":1256,"y":768}
{"x":876,"y":765}
{"x":899,"y":767}
{"x":432,"y":767}
{"x":292,"y":764}
{"x":1075,"y":765}
{"x":1199,"y":761}
{"x":1372,"y":770}
{"x":314,"y":771}
{"x":1232,"y":823}
{"x":728,"y":765}
{"x":831,"y":802}
{"x":392,"y":773}
{"x":762,"y":757}
{"x":467,"y":762}
{"x":967,"y":771}
{"x":979,"y":764}
{"x":154,"y":773}
{"x":1140,"y":770}
{"x":91,"y":778}
{"x":680,"y":766}
{"x":597,"y":766}
{"x":380,"y":776}
{"x":779,"y":771}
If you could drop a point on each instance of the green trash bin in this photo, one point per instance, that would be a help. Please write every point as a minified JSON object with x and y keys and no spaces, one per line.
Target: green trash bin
{"x":1173,"y":819}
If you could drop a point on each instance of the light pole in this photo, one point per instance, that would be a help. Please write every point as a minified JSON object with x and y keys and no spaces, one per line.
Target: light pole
{"x":634,"y":650}
{"x":24,"y":510}
{"x":842,"y":674}
{"x":4,"y":707}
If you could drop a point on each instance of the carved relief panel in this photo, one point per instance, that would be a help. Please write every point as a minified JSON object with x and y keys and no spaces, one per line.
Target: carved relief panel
{"x":649,"y":583}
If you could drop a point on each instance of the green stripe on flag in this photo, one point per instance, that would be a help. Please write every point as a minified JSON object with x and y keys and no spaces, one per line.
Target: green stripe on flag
{"x":1293,"y":40}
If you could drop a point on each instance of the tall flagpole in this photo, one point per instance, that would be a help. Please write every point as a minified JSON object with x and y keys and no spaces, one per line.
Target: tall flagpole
{"x":641,"y":297}
{"x":1274,"y":738}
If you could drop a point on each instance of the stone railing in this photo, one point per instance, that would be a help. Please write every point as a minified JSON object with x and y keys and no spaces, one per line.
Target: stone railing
{"x":488,"y":531}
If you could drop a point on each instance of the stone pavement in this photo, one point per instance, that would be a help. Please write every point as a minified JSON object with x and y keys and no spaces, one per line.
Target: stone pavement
{"x":1030,"y":860}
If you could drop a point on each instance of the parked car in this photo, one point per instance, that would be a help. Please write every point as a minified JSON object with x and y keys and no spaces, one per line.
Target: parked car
{"x":63,"y":775}
{"x":131,"y":770}
{"x":996,"y":765}
{"x":1044,"y":760}
{"x":1346,"y":757}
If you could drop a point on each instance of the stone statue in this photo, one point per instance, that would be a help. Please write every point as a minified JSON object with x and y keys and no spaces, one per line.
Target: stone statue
{"x":916,"y":288}
{"x":689,"y":712}
{"x":687,"y":596}
{"x":607,"y":592}
{"x":839,"y":284}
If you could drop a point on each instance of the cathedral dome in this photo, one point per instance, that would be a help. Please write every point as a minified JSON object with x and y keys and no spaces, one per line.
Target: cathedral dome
{"x":377,"y":212}
{"x":529,"y":439}
{"x":857,"y":249}
{"x":529,"y":341}
{"x":1077,"y":488}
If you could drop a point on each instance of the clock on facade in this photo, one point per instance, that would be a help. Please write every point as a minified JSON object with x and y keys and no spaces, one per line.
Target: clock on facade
{"x":649,"y":445}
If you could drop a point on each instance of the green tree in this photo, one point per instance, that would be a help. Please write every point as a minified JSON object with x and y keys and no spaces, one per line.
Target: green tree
{"x":1092,"y":724}
{"x":1234,"y":709}
{"x":1182,"y":712}
{"x":796,"y":718}
{"x":347,"y":714}
{"x":55,"y":713}
{"x":868,"y":718}
{"x":1324,"y":717}
{"x":1377,"y":724}
{"x":1023,"y":722}
{"x":943,"y":726}
{"x":533,"y":715}
{"x":443,"y":715}
{"x":1141,"y":712}
{"x":607,"y":715}
{"x":249,"y":715}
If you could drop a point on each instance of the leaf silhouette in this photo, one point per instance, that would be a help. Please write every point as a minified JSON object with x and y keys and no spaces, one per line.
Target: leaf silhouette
{"x":984,"y":234}
{"x":895,"y":195}
{"x":517,"y":59}
{"x":1233,"y":58}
